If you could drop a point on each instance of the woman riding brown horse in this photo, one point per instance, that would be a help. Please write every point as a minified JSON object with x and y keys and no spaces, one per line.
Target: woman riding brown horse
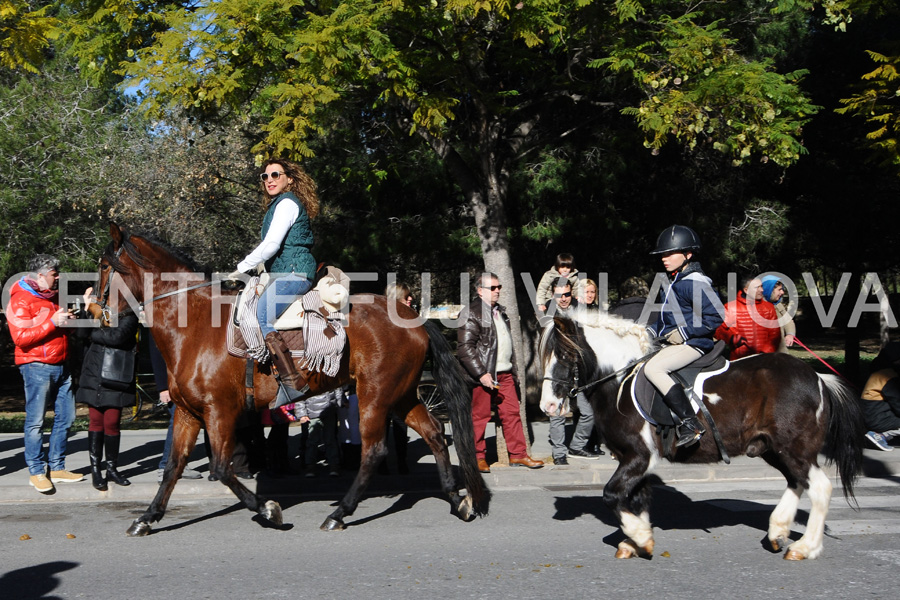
{"x":208,"y":385}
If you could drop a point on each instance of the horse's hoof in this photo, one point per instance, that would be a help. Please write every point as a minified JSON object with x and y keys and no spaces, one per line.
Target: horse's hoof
{"x":778,"y":543}
{"x":138,"y":529}
{"x":794,"y":555}
{"x":626,"y":550}
{"x":647,"y":550}
{"x":272,"y":513}
{"x":332,"y":524}
{"x":465,"y":510}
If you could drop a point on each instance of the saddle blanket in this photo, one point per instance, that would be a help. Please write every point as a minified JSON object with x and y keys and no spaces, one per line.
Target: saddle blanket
{"x":639,"y":387}
{"x":312,"y":327}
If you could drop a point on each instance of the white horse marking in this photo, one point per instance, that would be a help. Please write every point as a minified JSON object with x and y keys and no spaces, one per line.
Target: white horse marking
{"x":782,"y":517}
{"x":637,"y":528}
{"x":810,"y":545}
{"x":713,"y":398}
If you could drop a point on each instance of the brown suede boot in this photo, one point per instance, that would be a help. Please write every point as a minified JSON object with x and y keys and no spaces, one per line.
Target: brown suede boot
{"x":284,"y":362}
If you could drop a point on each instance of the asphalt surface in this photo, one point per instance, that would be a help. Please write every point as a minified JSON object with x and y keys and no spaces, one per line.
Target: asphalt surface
{"x":140,"y":452}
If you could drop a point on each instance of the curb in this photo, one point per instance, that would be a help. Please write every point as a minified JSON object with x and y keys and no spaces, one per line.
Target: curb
{"x":140,"y":452}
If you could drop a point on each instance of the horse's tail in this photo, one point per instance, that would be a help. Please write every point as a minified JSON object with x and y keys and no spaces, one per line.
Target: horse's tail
{"x":451,"y":381}
{"x":846,"y":428}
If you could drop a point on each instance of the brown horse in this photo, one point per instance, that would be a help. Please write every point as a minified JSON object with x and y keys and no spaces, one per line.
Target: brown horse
{"x":208,"y":385}
{"x":773,"y":406}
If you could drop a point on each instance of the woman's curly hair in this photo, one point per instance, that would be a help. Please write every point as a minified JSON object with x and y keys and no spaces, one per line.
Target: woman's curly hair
{"x":302,"y":185}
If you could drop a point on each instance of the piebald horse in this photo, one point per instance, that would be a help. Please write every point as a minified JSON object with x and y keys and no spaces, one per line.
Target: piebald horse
{"x":772,"y":406}
{"x":209,"y":386}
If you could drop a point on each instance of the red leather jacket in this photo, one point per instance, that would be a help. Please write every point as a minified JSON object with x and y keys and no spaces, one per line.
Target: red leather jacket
{"x":36,"y":338}
{"x":743,"y":334}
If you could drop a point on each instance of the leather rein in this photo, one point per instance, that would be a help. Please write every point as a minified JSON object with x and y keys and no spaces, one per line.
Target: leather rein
{"x":107,"y":312}
{"x":576,"y":389}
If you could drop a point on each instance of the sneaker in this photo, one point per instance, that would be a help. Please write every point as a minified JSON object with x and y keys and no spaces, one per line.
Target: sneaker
{"x":65,"y":477}
{"x":41,"y":483}
{"x":879,"y":441}
{"x":560,"y":460}
{"x":583,"y":454}
{"x":186,"y":474}
{"x":191,"y":474}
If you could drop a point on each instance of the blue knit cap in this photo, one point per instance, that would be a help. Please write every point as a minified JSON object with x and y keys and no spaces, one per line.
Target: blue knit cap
{"x":768,"y":286}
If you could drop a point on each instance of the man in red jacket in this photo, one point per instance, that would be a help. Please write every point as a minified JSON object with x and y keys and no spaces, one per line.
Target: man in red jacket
{"x":36,"y":324}
{"x":751,"y":323}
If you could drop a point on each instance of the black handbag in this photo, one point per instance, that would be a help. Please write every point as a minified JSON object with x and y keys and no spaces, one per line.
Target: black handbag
{"x":117,"y":371}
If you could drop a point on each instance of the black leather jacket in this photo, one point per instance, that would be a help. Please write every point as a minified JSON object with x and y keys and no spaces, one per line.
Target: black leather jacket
{"x":477,"y":341}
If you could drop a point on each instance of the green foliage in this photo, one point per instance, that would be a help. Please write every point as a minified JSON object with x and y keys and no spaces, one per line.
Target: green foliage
{"x":25,"y":34}
{"x":879,"y":105}
{"x":76,"y":157}
{"x":700,"y":91}
{"x":760,"y":234}
{"x":57,"y":134}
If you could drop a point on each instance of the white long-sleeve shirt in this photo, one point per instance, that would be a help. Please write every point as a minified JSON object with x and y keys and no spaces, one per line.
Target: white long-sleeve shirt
{"x":286,"y":214}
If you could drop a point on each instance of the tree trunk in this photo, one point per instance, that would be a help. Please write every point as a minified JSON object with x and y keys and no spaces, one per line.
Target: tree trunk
{"x":490,"y":220}
{"x":485,"y":190}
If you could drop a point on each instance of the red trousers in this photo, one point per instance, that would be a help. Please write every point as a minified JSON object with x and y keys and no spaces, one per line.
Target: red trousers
{"x":507,"y":402}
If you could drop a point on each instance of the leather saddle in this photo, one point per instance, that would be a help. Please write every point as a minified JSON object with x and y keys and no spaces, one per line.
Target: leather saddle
{"x":649,"y":401}
{"x":244,"y":337}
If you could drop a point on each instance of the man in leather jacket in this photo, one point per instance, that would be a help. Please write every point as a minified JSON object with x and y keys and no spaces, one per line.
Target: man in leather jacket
{"x":485,"y":350}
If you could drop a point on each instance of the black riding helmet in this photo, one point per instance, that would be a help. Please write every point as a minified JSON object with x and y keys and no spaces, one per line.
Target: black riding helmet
{"x":677,"y":238}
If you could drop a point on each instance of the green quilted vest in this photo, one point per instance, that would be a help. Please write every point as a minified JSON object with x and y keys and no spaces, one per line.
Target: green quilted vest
{"x":294,"y":254}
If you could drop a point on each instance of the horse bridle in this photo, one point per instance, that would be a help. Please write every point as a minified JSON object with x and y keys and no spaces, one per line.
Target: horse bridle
{"x":104,"y":307}
{"x":576,"y":389}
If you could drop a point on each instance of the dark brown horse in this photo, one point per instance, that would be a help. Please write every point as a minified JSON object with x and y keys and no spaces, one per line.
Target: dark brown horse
{"x":770,"y":405}
{"x":208,"y":385}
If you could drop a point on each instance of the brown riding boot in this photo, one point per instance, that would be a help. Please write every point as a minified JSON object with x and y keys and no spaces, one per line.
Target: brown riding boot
{"x":284,"y":362}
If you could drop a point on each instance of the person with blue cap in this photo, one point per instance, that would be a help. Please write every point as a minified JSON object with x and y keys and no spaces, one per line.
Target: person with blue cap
{"x":773,"y":291}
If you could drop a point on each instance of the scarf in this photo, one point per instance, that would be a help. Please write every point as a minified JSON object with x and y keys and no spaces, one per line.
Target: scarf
{"x":36,"y":289}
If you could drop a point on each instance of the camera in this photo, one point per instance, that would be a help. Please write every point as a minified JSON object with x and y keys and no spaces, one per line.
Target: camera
{"x":76,"y":309}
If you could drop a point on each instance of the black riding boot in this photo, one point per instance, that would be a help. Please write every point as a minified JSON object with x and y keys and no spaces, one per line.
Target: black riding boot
{"x":690,"y":430}
{"x":112,"y":460}
{"x":95,"y":452}
{"x":293,"y":385}
{"x":401,"y":439}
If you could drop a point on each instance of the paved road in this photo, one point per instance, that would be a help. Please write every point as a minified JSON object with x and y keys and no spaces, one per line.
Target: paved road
{"x":548,"y":536}
{"x":549,"y":542}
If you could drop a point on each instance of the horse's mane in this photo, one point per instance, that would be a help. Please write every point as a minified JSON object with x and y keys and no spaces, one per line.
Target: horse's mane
{"x":567,"y":337}
{"x":131,"y":249}
{"x":620,"y":326}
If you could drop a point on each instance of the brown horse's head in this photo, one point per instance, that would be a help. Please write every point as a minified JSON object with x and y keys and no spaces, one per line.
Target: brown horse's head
{"x":129,"y":264}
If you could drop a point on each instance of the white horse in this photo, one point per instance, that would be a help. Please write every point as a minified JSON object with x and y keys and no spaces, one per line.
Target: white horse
{"x":772,"y":406}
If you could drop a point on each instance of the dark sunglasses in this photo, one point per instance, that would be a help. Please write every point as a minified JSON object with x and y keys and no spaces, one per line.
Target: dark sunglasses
{"x":273,"y":174}
{"x":564,"y":295}
{"x":492,"y":287}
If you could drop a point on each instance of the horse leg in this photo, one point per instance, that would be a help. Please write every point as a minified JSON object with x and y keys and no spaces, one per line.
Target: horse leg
{"x":782,"y":517}
{"x":184,"y":437}
{"x":801,"y":474}
{"x":810,"y":544}
{"x":221,"y":431}
{"x":425,"y":424}
{"x":372,"y":430}
{"x":628,"y":494}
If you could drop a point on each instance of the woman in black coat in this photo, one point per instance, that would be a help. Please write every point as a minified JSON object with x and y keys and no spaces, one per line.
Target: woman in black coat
{"x":106,"y":398}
